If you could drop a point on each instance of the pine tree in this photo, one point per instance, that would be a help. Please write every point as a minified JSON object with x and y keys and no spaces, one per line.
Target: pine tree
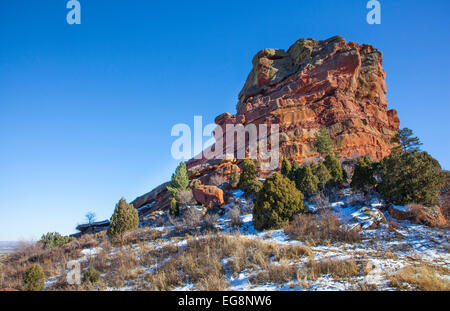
{"x":285,"y":167}
{"x":335,"y":168}
{"x":323,"y":142}
{"x":179,"y":181}
{"x":125,"y":218}
{"x":34,"y":279}
{"x":407,"y":141}
{"x":323,"y":175}
{"x":363,"y":175}
{"x":307,"y":182}
{"x":277,"y":203}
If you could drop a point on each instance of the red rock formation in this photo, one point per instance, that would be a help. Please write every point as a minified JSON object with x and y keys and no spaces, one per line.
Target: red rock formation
{"x":328,"y":83}
{"x":208,"y":196}
{"x":317,"y":83}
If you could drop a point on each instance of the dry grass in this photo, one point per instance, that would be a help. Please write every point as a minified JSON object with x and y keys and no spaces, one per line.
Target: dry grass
{"x":422,"y":277}
{"x":338,"y":269}
{"x":323,"y":229}
{"x":201,"y":262}
{"x":276,"y":273}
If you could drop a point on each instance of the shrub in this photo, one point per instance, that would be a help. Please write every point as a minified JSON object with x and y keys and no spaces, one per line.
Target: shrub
{"x":363,"y":175}
{"x":410,"y":176}
{"x":34,"y":279}
{"x":91,"y":275}
{"x":173,"y":208}
{"x":277,"y":202}
{"x":335,"y":168}
{"x":54,"y":239}
{"x":285,"y":167}
{"x":125,"y":218}
{"x":253,"y":188}
{"x":323,"y":142}
{"x":235,"y":216}
{"x":234,"y":179}
{"x":294,"y":170}
{"x":323,"y":175}
{"x":248,"y":174}
{"x":306,"y":181}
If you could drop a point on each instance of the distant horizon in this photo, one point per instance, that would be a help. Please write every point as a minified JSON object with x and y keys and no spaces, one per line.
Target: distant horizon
{"x":86,"y":110}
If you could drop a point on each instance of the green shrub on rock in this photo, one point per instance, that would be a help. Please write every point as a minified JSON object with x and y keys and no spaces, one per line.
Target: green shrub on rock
{"x":125,"y":218}
{"x":285,"y":167}
{"x":277,"y":202}
{"x":34,"y":279}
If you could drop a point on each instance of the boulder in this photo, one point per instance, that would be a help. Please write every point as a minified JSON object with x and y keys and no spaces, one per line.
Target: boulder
{"x":208,"y":195}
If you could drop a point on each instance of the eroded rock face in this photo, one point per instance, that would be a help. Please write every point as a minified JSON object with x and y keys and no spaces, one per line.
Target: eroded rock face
{"x":328,"y":83}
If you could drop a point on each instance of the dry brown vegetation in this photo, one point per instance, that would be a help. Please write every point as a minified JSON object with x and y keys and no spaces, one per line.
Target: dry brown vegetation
{"x":323,"y":229}
{"x":202,"y":263}
{"x":423,"y":277}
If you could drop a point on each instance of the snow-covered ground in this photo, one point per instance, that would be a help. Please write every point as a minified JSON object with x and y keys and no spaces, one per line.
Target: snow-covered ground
{"x":383,"y":250}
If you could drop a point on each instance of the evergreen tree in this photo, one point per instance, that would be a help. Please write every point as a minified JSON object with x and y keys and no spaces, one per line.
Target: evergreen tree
{"x":34,"y":279}
{"x":234,"y":179}
{"x":248,"y":173}
{"x":179,"y":181}
{"x":173,"y":208}
{"x":323,"y":175}
{"x":363,"y":175}
{"x":335,"y":168}
{"x":277,"y":202}
{"x":307,"y":182}
{"x":323,"y":142}
{"x":410,"y":177}
{"x":125,"y":218}
{"x":285,"y":167}
{"x":407,"y":141}
{"x":294,"y":171}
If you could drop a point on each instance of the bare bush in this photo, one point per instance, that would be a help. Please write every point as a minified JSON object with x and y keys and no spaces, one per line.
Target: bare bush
{"x":186,"y":197}
{"x":235,"y":216}
{"x":210,"y":220}
{"x":320,"y":201}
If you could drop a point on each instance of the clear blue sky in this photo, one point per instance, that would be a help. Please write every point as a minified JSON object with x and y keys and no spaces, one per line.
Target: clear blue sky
{"x":86,"y":110}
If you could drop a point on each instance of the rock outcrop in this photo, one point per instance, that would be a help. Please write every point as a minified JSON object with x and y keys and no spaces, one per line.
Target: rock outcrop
{"x":314,"y":83}
{"x":328,"y":83}
{"x":207,"y":195}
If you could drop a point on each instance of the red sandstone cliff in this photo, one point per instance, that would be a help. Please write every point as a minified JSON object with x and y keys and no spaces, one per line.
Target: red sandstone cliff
{"x":328,"y":83}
